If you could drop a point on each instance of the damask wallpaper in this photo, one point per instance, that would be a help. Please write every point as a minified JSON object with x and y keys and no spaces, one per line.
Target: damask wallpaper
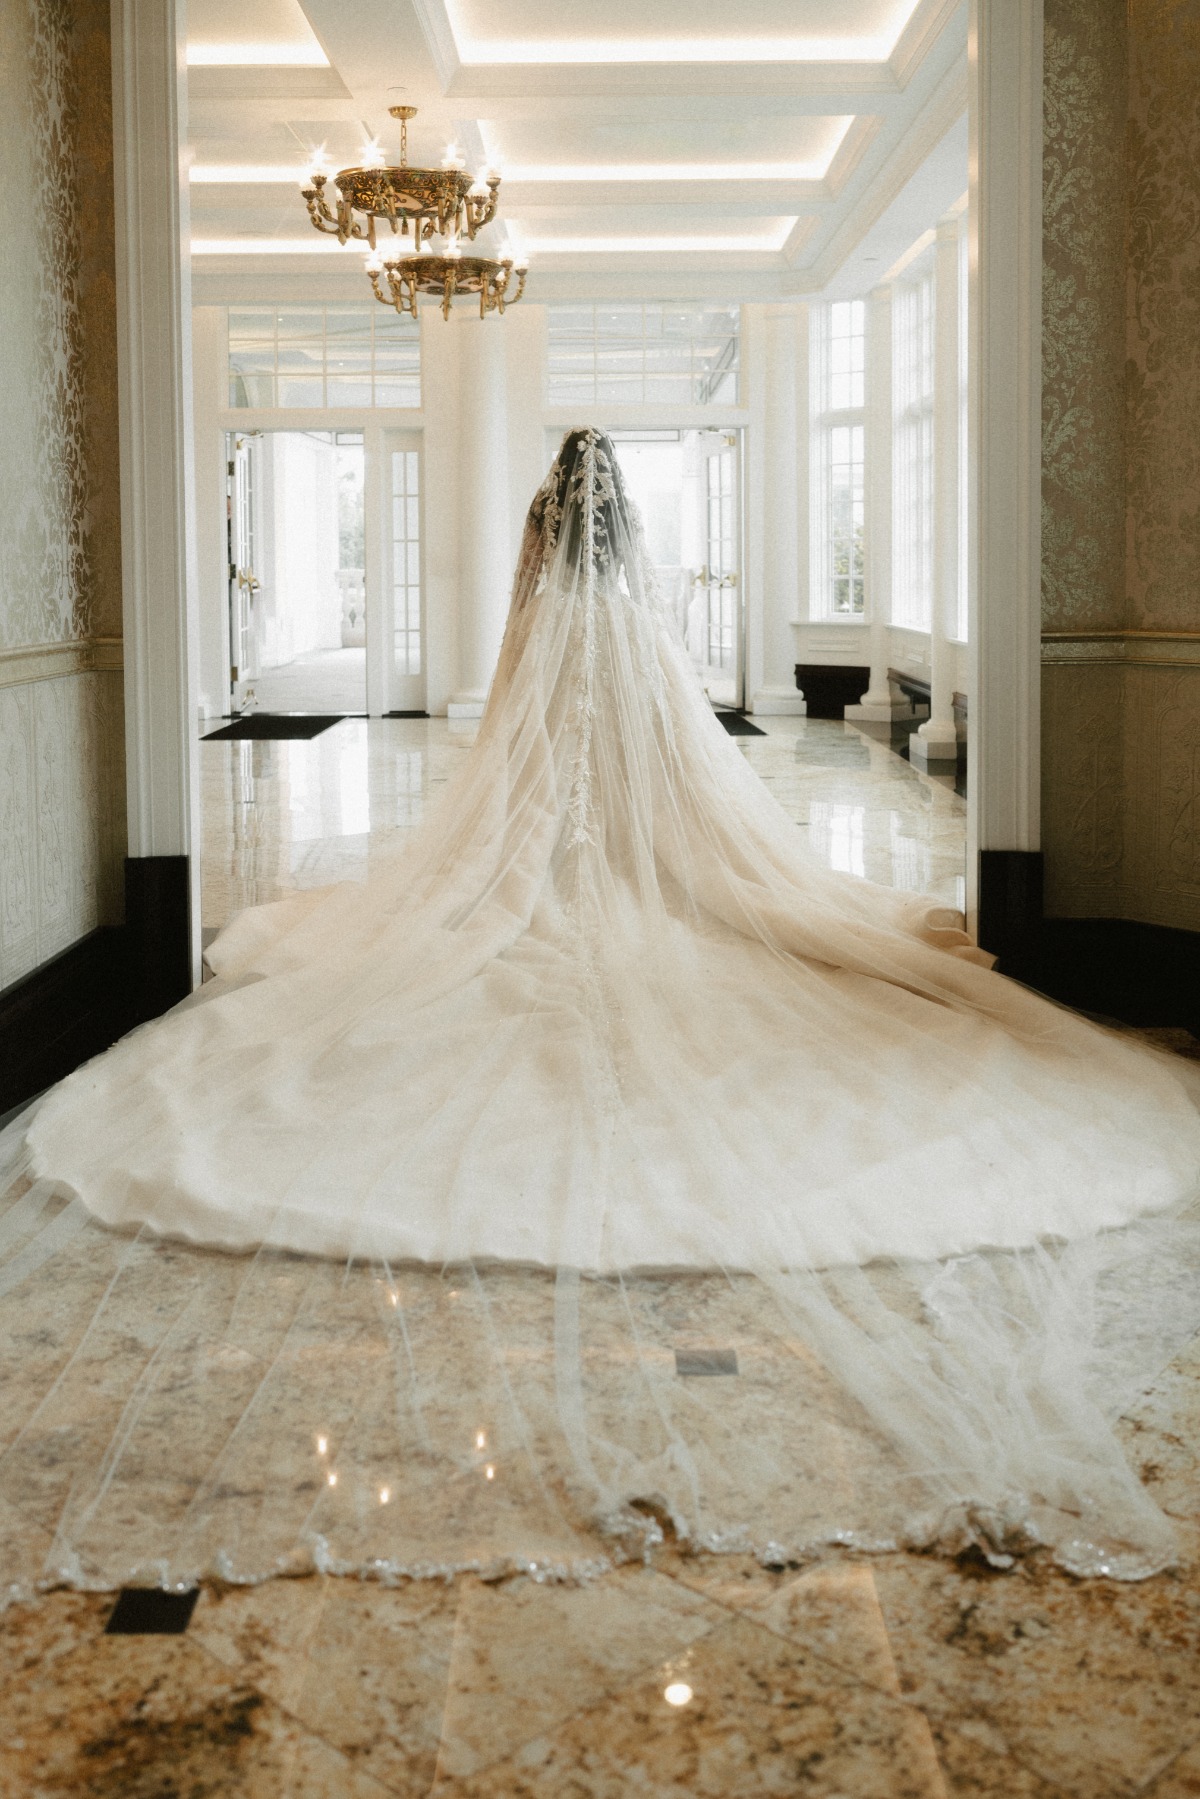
{"x":1121,"y":460}
{"x":61,"y":727}
{"x":1163,"y":342}
{"x":1083,"y":314}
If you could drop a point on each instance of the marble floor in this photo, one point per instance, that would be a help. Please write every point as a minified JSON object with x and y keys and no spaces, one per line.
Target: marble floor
{"x":688,"y":1678}
{"x":320,"y":681}
{"x":680,"y":1676}
{"x":286,"y":815}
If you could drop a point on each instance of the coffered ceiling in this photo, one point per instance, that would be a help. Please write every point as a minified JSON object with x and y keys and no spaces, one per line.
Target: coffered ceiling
{"x":647,"y":146}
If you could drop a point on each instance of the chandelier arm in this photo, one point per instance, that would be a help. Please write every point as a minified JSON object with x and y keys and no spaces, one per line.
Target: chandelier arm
{"x":318,"y":207}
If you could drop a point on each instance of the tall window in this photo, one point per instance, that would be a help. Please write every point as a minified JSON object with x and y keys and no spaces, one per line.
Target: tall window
{"x":635,"y":353}
{"x":309,"y":356}
{"x":839,"y":357}
{"x":912,"y":454}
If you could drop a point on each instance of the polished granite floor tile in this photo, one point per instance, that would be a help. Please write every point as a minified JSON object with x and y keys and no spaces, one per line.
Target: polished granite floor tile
{"x":895,"y":1678}
{"x":281,"y":816}
{"x":87,"y":1716}
{"x":740,"y":1714}
{"x":527,"y":1657}
{"x":1093,"y":1685}
{"x":1181,"y":1780}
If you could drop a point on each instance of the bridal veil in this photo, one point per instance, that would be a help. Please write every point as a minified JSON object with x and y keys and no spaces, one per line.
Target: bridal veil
{"x":605,"y":1165}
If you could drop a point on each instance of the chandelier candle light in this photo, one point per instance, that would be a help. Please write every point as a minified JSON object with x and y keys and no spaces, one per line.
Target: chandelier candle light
{"x":418,"y":204}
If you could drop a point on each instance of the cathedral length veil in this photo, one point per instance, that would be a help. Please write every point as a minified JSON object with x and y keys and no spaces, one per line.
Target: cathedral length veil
{"x":605,"y":1165}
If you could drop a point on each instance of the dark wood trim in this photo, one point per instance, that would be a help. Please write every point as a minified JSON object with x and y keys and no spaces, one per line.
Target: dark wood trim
{"x":1010,"y":901}
{"x":1140,"y":973}
{"x":157,"y":925}
{"x":76,"y":1005}
{"x":829,"y":687}
{"x":61,"y":1014}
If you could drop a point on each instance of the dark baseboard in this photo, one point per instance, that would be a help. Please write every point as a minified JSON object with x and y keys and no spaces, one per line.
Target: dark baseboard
{"x":157,"y":928}
{"x":62,"y":1014}
{"x":829,"y":687}
{"x":1010,"y":901}
{"x":73,"y":1007}
{"x":1143,"y":974}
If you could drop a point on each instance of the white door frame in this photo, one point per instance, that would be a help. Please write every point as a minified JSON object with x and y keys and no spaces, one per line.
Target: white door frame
{"x":1005,"y":446}
{"x":157,"y":501}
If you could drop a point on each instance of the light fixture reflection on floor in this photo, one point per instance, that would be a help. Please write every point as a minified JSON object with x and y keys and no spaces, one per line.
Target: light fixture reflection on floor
{"x":678,"y":1693}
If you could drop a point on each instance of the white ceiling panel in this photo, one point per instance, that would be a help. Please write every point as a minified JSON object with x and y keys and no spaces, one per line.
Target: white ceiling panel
{"x":278,"y":29}
{"x":577,"y":148}
{"x":632,"y":172}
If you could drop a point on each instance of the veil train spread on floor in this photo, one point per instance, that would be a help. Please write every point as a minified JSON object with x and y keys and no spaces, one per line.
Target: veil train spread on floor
{"x":604,"y":1165}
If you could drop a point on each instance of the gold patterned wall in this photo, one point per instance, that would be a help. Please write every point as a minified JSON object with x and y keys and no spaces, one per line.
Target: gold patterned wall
{"x":61,"y":724}
{"x":1121,"y":460}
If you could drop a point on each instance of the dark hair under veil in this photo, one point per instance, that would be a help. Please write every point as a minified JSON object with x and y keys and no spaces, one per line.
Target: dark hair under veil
{"x":567,"y":479}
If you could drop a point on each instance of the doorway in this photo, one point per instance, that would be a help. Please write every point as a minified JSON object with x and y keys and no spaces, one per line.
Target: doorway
{"x":297,"y":600}
{"x":688,"y":487}
{"x":324,"y":571}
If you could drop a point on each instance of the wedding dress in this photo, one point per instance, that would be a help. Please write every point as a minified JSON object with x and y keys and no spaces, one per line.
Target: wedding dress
{"x":606,"y":1037}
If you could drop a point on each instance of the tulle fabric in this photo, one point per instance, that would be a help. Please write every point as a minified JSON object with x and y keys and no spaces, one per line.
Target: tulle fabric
{"x":602,"y":1075}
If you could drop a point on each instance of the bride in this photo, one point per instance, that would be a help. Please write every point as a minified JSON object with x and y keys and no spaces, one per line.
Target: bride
{"x":605,"y":1018}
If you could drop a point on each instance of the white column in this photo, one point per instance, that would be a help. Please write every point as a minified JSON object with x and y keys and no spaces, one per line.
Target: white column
{"x":210,"y":396}
{"x":485,"y":556}
{"x":153,"y":279}
{"x":935,"y":743}
{"x":1004,"y":373}
{"x":880,"y":704}
{"x":783,"y":500}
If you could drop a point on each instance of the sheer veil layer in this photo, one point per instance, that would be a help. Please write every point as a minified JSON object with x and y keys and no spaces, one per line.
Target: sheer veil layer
{"x":604,"y":1069}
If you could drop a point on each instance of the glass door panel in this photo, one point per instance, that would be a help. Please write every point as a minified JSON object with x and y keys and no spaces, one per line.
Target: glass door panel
{"x":403,"y":643}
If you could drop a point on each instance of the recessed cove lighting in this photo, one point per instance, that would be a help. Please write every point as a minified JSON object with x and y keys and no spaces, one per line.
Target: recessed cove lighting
{"x":876,"y":47}
{"x":672,"y":171}
{"x":257,"y":56}
{"x":263,"y":246}
{"x":658,"y":246}
{"x":247,"y":174}
{"x":713,"y":49}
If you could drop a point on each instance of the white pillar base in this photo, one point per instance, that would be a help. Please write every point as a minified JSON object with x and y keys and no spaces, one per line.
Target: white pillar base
{"x":882,"y":712}
{"x":466,"y":705}
{"x":938,"y":750}
{"x":779,"y":702}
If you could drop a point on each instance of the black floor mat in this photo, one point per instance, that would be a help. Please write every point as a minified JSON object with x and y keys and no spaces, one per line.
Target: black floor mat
{"x":150,"y":1612}
{"x":266,"y":727}
{"x":737,"y":724}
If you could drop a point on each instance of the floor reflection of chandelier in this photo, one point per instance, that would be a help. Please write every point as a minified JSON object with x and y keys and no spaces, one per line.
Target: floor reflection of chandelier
{"x":416,"y":204}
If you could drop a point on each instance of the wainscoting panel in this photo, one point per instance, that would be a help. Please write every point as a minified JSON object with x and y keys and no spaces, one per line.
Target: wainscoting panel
{"x":61,"y":815}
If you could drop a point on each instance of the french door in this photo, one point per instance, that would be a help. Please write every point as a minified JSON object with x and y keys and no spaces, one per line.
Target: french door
{"x":717,"y":636}
{"x":395,"y":574}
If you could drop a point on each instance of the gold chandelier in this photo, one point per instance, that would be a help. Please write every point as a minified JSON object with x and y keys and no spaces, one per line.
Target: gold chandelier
{"x":420,"y":204}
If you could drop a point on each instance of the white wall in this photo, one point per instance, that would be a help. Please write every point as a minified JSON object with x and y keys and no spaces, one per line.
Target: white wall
{"x":208,"y":399}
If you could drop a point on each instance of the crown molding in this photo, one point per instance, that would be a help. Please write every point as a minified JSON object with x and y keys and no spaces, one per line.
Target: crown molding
{"x":265,"y":81}
{"x":945,"y":106}
{"x":920,"y":35}
{"x":438,"y":33}
{"x":850,"y":152}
